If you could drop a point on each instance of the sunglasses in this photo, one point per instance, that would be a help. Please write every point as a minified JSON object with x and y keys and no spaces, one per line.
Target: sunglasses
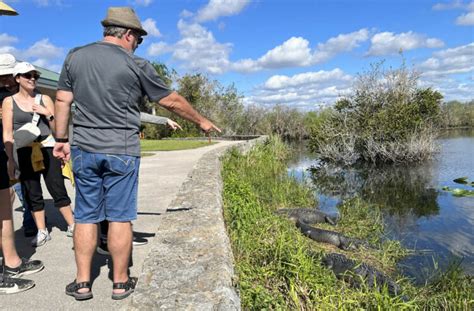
{"x":30,"y":75}
{"x":137,"y":35}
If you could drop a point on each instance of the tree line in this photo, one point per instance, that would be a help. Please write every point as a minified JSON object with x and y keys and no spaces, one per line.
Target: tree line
{"x":386,"y":106}
{"x":224,"y":106}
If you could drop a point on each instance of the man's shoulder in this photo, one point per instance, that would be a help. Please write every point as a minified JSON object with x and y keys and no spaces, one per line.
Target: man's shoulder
{"x":79,"y":48}
{"x":140,"y":61}
{"x":98,"y":47}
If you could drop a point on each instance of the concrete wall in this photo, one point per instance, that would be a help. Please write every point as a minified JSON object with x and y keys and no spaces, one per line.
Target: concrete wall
{"x":190,"y":265}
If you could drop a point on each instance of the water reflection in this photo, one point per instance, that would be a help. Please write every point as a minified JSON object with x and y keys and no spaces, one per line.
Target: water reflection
{"x":399,"y":190}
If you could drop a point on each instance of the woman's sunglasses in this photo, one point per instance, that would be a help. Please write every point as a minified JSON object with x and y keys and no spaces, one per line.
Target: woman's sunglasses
{"x":30,"y":75}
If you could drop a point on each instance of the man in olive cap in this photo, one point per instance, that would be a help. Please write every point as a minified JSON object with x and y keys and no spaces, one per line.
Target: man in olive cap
{"x":107,"y":83}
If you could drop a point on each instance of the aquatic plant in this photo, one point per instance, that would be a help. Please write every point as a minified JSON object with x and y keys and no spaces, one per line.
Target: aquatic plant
{"x":458,"y":192}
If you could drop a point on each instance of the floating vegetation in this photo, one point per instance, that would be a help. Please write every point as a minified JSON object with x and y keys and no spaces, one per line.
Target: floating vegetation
{"x":458,"y":192}
{"x":461,"y":180}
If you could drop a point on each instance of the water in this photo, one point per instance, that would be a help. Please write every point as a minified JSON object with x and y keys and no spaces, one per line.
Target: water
{"x":438,"y":225}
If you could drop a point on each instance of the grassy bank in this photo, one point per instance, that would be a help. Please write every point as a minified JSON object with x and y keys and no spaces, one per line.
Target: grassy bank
{"x":170,"y":145}
{"x":278,"y":268}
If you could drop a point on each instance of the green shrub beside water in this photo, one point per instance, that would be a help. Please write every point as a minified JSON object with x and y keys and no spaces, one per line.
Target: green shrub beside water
{"x":387,"y":119}
{"x":278,"y":268}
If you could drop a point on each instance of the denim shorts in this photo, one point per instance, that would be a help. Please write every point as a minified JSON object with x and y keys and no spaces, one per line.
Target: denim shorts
{"x":106,"y":186}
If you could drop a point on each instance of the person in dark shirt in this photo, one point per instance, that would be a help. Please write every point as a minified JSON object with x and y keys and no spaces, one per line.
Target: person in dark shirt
{"x":107,"y":83}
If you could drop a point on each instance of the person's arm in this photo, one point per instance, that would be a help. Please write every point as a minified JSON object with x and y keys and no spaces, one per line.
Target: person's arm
{"x":47,"y":110}
{"x":173,"y":125}
{"x":7,"y":120}
{"x":149,"y":118}
{"x":179,"y":105}
{"x":62,"y":108}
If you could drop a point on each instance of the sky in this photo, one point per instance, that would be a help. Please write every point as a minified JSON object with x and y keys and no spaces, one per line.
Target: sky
{"x":300,"y":53}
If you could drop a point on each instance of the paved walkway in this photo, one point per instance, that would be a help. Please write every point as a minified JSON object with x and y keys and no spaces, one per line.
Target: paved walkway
{"x":161,"y":176}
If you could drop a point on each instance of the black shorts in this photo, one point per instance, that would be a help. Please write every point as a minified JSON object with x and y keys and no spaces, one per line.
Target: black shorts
{"x":4,"y":178}
{"x":31,"y":180}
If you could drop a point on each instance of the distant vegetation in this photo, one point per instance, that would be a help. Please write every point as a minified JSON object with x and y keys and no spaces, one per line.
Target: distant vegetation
{"x":456,"y":114}
{"x":388,"y":118}
{"x":224,"y":106}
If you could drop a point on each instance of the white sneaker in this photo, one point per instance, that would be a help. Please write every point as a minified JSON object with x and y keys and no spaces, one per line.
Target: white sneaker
{"x":41,"y":238}
{"x":12,"y":286}
{"x":70,"y":231}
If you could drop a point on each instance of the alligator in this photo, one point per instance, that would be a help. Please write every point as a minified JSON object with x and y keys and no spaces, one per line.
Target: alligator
{"x":355,"y":274}
{"x":331,"y":237}
{"x":307,"y":215}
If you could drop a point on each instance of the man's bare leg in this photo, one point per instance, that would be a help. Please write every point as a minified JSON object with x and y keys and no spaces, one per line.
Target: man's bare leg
{"x":119,"y":242}
{"x":85,"y":242}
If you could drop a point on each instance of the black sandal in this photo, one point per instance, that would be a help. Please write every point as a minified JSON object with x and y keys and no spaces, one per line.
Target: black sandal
{"x":73,"y":288}
{"x":128,"y":286}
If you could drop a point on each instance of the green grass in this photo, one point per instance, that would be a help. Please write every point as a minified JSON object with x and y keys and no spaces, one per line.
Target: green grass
{"x":170,"y":145}
{"x":279,"y":269}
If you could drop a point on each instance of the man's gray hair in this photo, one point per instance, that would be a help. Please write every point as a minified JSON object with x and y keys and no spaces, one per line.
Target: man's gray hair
{"x":114,"y":31}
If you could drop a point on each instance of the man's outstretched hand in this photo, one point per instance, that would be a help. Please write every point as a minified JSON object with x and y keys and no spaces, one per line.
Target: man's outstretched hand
{"x":207,"y":127}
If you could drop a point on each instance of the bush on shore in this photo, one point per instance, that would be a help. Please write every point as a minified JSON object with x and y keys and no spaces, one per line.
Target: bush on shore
{"x":387,"y":119}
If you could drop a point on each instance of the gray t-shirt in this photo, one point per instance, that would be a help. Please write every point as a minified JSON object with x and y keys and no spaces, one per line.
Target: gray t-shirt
{"x":108,"y":84}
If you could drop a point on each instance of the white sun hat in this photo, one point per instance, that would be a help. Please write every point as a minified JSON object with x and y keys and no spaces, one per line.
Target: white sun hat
{"x":7,"y":64}
{"x":23,"y":67}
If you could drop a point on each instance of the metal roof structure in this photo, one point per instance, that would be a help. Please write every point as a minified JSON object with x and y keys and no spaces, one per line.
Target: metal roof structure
{"x":48,"y":79}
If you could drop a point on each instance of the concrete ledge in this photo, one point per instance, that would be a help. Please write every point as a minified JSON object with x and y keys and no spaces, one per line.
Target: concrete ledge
{"x":190,"y":264}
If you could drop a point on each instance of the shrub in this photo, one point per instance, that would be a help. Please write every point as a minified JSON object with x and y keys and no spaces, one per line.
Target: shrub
{"x":388,"y":118}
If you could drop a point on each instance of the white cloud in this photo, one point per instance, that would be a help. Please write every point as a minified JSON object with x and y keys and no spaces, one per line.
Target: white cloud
{"x":450,"y":61}
{"x":6,"y":39}
{"x":42,"y":53}
{"x":186,"y":14}
{"x":451,"y":72}
{"x":466,"y":19}
{"x":48,"y":2}
{"x":150,"y":26}
{"x":9,"y":49}
{"x":306,"y":90}
{"x":339,"y":44}
{"x":159,"y":48}
{"x":294,"y":52}
{"x":142,"y":2}
{"x":217,"y":8}
{"x":43,"y":49}
{"x":320,"y":77}
{"x":45,"y":63}
{"x":199,"y":50}
{"x":451,"y":88}
{"x":245,"y":65}
{"x":386,"y":43}
{"x":456,"y":4}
